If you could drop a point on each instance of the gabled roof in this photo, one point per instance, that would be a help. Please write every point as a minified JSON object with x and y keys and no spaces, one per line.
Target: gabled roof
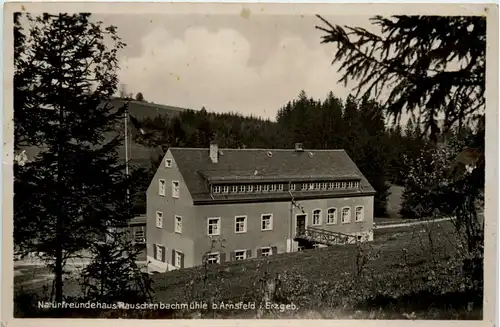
{"x":265,"y":165}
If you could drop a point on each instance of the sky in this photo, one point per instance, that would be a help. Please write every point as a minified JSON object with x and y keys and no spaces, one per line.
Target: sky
{"x":251,"y":65}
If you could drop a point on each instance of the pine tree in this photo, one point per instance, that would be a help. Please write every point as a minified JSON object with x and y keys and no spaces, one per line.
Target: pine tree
{"x":433,"y":63}
{"x":114,"y":275}
{"x":73,"y":190}
{"x":429,"y":65}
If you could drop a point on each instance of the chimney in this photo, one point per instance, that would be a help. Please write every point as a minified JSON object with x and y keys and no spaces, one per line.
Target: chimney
{"x":214,"y":152}
{"x":299,"y":147}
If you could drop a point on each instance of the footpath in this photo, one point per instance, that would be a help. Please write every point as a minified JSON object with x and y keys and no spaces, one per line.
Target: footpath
{"x":388,"y":224}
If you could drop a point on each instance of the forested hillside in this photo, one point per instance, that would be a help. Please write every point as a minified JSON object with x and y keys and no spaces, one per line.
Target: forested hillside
{"x":357,"y":126}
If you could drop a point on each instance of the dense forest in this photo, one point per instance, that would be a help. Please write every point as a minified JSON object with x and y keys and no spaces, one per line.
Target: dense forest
{"x":358,"y":126}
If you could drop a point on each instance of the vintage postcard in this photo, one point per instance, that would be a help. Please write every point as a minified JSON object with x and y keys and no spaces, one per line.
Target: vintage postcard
{"x":250,"y":162}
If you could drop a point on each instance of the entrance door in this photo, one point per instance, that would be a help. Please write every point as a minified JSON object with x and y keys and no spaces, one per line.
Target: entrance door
{"x":301,"y":224}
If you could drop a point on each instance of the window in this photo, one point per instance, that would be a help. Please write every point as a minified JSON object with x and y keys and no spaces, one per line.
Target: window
{"x":240,"y":224}
{"x":336,"y":184}
{"x":265,"y":188}
{"x":332,"y":216}
{"x":267,"y":222}
{"x":344,"y":185}
{"x":168,"y":163}
{"x":304,"y":187}
{"x":161,"y":187}
{"x":225,"y":189}
{"x":280,"y":187}
{"x":159,"y":252}
{"x":240,"y":254}
{"x":273,"y":187}
{"x":292,"y":187}
{"x":358,"y":214}
{"x":317,"y":186}
{"x":177,"y":259}
{"x":346,"y":215}
{"x":249,"y":188}
{"x":316,"y":217}
{"x":213,"y":258}
{"x":356,"y":184}
{"x":178,"y":224}
{"x":311,"y":186}
{"x":213,"y":227}
{"x":258,"y":188}
{"x":265,"y":252}
{"x":217,"y":189}
{"x":159,"y":219}
{"x":234,"y":189}
{"x":139,"y":236}
{"x":242,"y":188}
{"x":323,"y":186}
{"x":175,"y":189}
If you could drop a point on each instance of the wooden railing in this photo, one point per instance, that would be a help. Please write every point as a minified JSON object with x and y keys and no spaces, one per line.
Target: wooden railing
{"x":326,"y":237}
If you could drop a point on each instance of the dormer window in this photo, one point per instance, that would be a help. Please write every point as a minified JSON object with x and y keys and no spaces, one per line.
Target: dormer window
{"x":304,"y":187}
{"x":280,"y":187}
{"x":242,"y":189}
{"x":317,"y":186}
{"x":292,"y":187}
{"x":258,"y":188}
{"x":249,"y":188}
{"x":273,"y":187}
{"x":311,"y":186}
{"x":234,"y":188}
{"x":265,"y":188}
{"x":225,"y":189}
{"x":216,"y":189}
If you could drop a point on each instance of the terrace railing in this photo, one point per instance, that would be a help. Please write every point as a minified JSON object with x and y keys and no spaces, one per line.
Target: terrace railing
{"x":326,"y":237}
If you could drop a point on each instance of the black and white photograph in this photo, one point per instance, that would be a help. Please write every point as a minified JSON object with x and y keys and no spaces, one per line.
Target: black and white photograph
{"x":250,"y":161}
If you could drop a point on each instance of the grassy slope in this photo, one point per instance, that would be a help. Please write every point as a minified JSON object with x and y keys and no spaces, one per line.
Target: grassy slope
{"x":318,"y":280}
{"x":319,"y":264}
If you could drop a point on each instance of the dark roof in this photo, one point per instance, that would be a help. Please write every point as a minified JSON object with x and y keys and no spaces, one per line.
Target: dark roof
{"x":252,"y":165}
{"x":138,"y":220}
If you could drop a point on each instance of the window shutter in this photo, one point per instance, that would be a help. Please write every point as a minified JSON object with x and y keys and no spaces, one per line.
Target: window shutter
{"x":259,"y":253}
{"x":173,"y":258}
{"x":163,"y":254}
{"x":274,"y":250}
{"x":232,"y":256}
{"x":154,"y":252}
{"x":182,"y":260}
{"x":222,"y":257}
{"x":249,"y":254}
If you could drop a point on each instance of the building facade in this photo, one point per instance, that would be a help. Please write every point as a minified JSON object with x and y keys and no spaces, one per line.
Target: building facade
{"x":233,"y":204}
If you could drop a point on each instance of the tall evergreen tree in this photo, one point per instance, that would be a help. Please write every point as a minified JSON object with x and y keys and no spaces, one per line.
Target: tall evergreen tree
{"x":73,"y":190}
{"x":430,"y":65}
